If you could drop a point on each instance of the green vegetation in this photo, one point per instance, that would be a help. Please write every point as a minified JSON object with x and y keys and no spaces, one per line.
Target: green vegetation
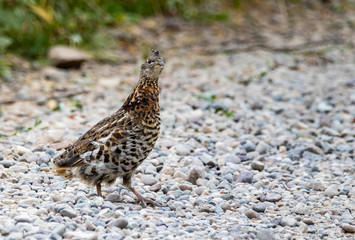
{"x":76,"y":104}
{"x":30,"y":27}
{"x":21,"y":129}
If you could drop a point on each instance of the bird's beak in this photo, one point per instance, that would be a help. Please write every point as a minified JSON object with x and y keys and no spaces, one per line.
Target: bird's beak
{"x":161,"y":63}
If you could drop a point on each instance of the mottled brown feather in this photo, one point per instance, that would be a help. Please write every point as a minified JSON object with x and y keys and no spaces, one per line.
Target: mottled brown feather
{"x":118,"y":144}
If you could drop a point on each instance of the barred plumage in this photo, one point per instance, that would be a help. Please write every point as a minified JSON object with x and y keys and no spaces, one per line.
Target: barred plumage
{"x":118,"y":144}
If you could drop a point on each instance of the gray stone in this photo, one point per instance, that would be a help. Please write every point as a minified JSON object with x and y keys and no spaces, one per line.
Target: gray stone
{"x":344,"y":148}
{"x":60,"y":230}
{"x":194,"y":174}
{"x":1,"y":156}
{"x":349,"y":228}
{"x":81,"y":235}
{"x":226,"y":206}
{"x":148,"y":180}
{"x":113,"y":197}
{"x":182,"y":150}
{"x":67,"y":57}
{"x":68,"y":212}
{"x":303,"y":228}
{"x":324,"y":107}
{"x":251,"y":214}
{"x":300,"y":208}
{"x":120,"y":223}
{"x":330,"y":132}
{"x":257,"y":165}
{"x":317,"y":186}
{"x":155,"y":188}
{"x":262,"y":147}
{"x":45,"y":158}
{"x":273,"y":197}
{"x":332,"y":191}
{"x":248,"y":146}
{"x":7,"y":163}
{"x":23,"y":218}
{"x":20,"y":150}
{"x":245,"y":177}
{"x":54,"y":74}
{"x":308,"y":221}
{"x":288,"y":221}
{"x":314,"y":149}
{"x":265,"y":234}
{"x":259,"y":207}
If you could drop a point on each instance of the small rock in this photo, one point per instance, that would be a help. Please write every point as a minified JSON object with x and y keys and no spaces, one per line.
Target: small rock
{"x":317,"y":186}
{"x":179,"y":174}
{"x":303,"y":228}
{"x":51,"y":136}
{"x":288,"y":221}
{"x":194,"y":174}
{"x":90,"y":226}
{"x":251,"y":214}
{"x":67,"y":212}
{"x":262,"y":147}
{"x":45,"y":158}
{"x":148,"y":180}
{"x":324,"y":107}
{"x":344,"y":148}
{"x":259,"y":207}
{"x":330,"y":132}
{"x":199,"y":190}
{"x":265,"y":234}
{"x":257,"y":165}
{"x":7,"y":163}
{"x":314,"y":149}
{"x":182,"y":150}
{"x":282,"y":149}
{"x":23,"y":218}
{"x":332,"y":191}
{"x":349,"y":228}
{"x":300,"y":208}
{"x":67,"y":57}
{"x":81,"y":235}
{"x":308,"y":221}
{"x":272,"y":197}
{"x":245,"y":177}
{"x":155,"y":188}
{"x":226,"y":206}
{"x":15,"y":236}
{"x":60,"y":230}
{"x":248,"y":146}
{"x":120,"y":223}
{"x":113,"y":197}
{"x":1,"y":156}
{"x":221,"y":146}
{"x":53,"y":74}
{"x":20,"y":150}
{"x":184,"y":187}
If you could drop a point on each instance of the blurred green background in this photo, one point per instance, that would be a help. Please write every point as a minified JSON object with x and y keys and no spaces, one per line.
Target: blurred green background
{"x":29,"y":27}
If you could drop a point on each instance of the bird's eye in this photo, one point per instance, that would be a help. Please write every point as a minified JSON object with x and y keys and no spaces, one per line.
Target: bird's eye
{"x":149,"y":61}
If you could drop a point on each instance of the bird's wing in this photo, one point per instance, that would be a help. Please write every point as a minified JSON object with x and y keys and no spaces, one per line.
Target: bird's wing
{"x":86,"y":147}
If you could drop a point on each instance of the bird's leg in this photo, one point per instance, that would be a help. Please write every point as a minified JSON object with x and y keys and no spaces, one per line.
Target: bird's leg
{"x":127,"y":182}
{"x":98,"y":189}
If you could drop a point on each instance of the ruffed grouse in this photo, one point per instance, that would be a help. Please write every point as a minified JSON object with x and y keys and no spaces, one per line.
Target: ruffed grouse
{"x":118,"y":144}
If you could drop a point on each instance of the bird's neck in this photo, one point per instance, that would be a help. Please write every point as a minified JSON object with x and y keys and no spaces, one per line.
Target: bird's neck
{"x":147,"y":90}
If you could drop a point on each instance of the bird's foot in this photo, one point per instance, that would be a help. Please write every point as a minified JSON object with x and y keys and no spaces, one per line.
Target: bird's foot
{"x":143,"y":201}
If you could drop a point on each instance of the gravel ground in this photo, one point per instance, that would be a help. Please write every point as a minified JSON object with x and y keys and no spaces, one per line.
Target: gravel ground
{"x":256,"y":145}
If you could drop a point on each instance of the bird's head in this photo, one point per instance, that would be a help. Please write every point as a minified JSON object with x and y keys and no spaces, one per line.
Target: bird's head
{"x":153,"y":66}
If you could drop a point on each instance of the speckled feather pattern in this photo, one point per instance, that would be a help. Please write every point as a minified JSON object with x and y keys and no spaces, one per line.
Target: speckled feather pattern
{"x":118,"y":144}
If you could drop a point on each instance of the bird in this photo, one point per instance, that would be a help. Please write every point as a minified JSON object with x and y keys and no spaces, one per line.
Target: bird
{"x":118,"y":144}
